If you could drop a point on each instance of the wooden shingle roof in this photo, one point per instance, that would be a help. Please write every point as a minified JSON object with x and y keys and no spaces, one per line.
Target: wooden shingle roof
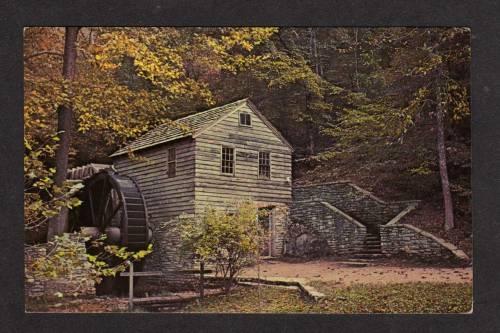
{"x":188,"y":126}
{"x":85,"y":171}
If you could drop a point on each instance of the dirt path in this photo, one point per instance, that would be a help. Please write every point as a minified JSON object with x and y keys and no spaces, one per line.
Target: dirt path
{"x":333,"y":271}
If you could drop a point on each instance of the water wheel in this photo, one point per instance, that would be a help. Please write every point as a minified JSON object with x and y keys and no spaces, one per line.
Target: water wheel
{"x":113,"y":205}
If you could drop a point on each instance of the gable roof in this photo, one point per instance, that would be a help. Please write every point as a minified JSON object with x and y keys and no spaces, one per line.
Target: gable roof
{"x":196,"y":123}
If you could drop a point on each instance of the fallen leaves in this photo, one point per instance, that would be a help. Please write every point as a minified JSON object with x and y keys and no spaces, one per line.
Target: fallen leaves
{"x":421,"y":297}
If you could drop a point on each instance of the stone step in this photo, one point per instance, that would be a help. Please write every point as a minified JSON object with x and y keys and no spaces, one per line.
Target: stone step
{"x":366,"y":260}
{"x":366,"y":250}
{"x":369,"y":255}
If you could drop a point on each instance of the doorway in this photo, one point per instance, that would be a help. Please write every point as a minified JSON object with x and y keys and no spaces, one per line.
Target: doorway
{"x":265,"y":216}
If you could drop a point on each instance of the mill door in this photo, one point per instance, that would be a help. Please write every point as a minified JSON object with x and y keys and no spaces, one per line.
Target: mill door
{"x":266,"y":222}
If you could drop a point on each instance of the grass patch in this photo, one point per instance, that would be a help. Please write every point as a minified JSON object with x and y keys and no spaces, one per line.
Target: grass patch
{"x":246,"y":299}
{"x":419,"y":297}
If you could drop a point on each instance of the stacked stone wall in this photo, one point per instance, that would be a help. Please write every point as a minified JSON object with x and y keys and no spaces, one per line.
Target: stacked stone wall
{"x":342,"y":234}
{"x":334,"y":210}
{"x":354,"y":201}
{"x":408,"y":240}
{"x":167,"y":258}
{"x":79,"y":280}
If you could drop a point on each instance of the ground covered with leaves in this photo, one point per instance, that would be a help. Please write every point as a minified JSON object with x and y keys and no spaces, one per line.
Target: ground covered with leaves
{"x":390,"y":298}
{"x":69,"y":304}
{"x":421,"y":297}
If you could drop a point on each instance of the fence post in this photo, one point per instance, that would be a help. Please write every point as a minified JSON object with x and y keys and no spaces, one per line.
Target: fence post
{"x":131,"y":286}
{"x":202,"y":279}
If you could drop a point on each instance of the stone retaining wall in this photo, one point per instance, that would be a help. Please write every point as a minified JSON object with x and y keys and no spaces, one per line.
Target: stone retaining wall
{"x":406,"y":239}
{"x":79,"y":280}
{"x":342,"y":234}
{"x":166,"y":257}
{"x":353,"y":200}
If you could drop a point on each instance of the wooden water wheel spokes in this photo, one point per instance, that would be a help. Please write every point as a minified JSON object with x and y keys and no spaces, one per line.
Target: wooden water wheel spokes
{"x":113,"y":205}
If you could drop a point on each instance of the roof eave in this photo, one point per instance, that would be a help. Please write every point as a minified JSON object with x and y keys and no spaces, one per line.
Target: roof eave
{"x":120,"y":153}
{"x":254,"y":108}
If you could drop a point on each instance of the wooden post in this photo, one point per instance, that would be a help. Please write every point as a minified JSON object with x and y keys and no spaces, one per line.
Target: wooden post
{"x":131,"y":286}
{"x":202,"y":279}
{"x":270,"y":240}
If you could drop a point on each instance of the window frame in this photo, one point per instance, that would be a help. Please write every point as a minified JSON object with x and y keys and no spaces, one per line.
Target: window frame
{"x":170,"y":162}
{"x":259,"y":165}
{"x":249,"y":118}
{"x":222,"y":160}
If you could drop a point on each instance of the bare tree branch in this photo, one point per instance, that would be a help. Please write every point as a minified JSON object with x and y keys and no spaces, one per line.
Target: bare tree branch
{"x":37,"y":54}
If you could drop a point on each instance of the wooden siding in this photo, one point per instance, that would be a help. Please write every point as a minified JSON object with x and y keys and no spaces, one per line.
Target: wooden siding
{"x":166,"y":197}
{"x":214,"y":188}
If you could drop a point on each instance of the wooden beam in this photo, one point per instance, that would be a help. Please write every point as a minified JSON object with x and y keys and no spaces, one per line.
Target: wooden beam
{"x":131,"y":286}
{"x":142,"y":274}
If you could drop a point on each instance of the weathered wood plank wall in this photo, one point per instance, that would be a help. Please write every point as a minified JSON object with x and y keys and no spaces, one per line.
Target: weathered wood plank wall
{"x":166,"y":197}
{"x":217,"y":189}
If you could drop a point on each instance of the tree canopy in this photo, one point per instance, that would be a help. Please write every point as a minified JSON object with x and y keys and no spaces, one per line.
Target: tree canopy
{"x":360,"y":103}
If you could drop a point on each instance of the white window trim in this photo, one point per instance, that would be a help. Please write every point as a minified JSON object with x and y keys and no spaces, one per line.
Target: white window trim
{"x":239,"y":118}
{"x":174,"y":161}
{"x":234,"y":161}
{"x":270,"y":165}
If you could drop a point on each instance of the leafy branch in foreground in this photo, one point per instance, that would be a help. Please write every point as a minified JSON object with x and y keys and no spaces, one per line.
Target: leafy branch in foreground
{"x":42,"y":197}
{"x":66,"y":255}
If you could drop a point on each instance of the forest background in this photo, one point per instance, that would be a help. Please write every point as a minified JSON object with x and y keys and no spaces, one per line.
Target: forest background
{"x":387,"y":108}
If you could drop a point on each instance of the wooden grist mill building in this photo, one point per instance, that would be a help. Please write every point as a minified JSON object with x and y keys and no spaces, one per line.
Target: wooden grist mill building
{"x":212,"y":158}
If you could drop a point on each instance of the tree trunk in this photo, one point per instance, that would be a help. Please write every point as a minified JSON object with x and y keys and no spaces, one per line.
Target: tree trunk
{"x":316,"y":60}
{"x":202,"y":279}
{"x":58,"y":224}
{"x":311,"y":146}
{"x":356,"y":74}
{"x":443,"y":168}
{"x":227,"y":285}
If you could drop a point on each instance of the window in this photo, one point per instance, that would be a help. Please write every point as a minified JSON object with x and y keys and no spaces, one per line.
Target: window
{"x":245,"y":119}
{"x":227,"y":161}
{"x":171,"y":162}
{"x":264,"y":165}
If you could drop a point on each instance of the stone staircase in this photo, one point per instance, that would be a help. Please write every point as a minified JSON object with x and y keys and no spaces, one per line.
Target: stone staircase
{"x":351,"y":222}
{"x":348,"y":215}
{"x":372,"y":248}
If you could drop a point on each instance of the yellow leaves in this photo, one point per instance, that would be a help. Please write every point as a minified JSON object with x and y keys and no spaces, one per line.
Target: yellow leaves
{"x":247,"y":38}
{"x":427,"y":65}
{"x":129,"y":79}
{"x":456,"y":99}
{"x":225,"y":237}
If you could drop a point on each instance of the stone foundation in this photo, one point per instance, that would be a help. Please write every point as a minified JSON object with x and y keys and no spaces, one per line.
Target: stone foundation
{"x":79,"y":280}
{"x":166,"y":258}
{"x":323,"y":223}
